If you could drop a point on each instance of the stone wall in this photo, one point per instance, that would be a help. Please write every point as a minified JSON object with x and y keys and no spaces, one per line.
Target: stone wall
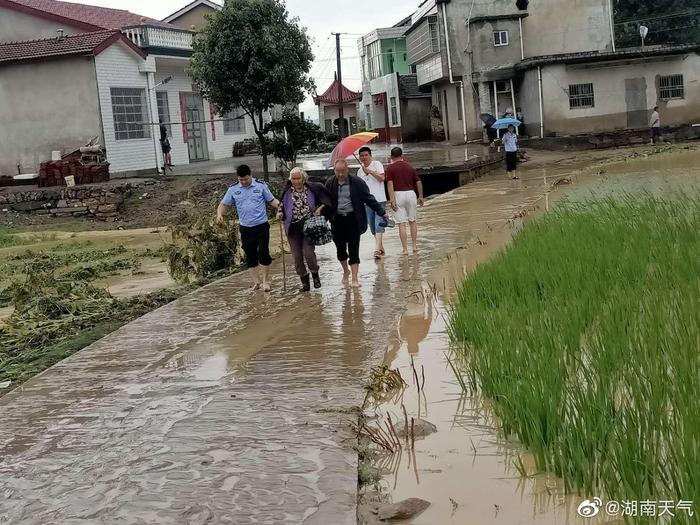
{"x":102,"y":202}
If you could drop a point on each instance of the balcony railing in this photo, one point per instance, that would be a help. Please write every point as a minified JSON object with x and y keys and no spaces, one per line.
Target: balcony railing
{"x":146,"y":36}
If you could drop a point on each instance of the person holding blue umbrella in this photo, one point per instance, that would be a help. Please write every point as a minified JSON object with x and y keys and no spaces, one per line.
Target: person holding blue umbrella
{"x":510,"y":143}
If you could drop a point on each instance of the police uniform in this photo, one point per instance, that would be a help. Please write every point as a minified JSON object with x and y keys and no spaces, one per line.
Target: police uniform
{"x":251,"y":205}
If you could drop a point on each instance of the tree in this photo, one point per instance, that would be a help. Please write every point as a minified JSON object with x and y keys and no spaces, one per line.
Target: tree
{"x":252,"y":56}
{"x":670,"y":22}
{"x":292,"y":134}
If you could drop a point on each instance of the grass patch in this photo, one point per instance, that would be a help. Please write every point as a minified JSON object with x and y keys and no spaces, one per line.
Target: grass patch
{"x":585,"y":333}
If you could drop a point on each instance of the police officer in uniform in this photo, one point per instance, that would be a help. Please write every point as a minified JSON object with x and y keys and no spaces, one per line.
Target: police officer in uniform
{"x":251,"y":197}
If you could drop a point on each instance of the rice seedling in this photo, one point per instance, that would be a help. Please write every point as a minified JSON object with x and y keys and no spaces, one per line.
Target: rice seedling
{"x":585,"y":335}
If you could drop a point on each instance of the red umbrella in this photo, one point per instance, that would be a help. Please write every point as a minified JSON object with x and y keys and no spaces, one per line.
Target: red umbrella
{"x":351,"y":144}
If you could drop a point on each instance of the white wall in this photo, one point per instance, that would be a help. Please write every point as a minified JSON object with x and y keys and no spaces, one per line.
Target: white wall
{"x":118,"y":66}
{"x":387,"y":84}
{"x":609,"y":85}
{"x":220,"y":145}
{"x":46,"y":106}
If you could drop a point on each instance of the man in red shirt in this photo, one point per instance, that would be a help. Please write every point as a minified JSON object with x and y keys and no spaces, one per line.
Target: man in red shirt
{"x":403,"y":184}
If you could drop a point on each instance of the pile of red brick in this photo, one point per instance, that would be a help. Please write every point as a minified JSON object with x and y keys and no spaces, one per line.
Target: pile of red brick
{"x":54,"y":173}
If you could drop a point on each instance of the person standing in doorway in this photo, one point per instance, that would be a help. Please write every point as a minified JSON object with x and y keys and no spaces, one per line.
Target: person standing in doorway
{"x":251,"y":198}
{"x":655,"y":125}
{"x":165,"y":147}
{"x":349,"y":196}
{"x":300,"y":201}
{"x":372,"y":172}
{"x":405,"y":194}
{"x":510,"y":143}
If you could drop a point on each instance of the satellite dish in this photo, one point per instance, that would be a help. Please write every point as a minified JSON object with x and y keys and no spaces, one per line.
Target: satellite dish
{"x":522,"y":4}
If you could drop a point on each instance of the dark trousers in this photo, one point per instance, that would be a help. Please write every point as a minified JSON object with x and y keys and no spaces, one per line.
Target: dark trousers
{"x":346,"y":236}
{"x":511,"y":160}
{"x":256,"y":244}
{"x":302,"y":250}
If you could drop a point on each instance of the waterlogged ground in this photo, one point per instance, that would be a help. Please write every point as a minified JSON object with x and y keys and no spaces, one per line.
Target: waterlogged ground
{"x":229,"y":406}
{"x":468,"y":473}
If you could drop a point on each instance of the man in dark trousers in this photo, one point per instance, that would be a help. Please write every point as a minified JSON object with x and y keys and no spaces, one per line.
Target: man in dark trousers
{"x":251,"y":198}
{"x":349,"y":195}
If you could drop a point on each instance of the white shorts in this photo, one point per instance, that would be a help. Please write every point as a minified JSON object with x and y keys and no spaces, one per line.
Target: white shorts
{"x":407,"y":207}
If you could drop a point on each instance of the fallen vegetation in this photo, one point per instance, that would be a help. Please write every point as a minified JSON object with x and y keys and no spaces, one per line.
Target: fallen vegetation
{"x":585,"y":334}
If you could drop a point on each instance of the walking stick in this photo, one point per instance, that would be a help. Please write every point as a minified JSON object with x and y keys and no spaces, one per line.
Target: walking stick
{"x":284,"y":265}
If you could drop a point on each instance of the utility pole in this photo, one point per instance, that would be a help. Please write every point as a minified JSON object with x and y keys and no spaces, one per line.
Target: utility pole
{"x":341,"y":116}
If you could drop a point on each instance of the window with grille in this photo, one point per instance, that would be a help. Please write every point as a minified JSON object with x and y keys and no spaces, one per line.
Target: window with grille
{"x":130,"y":112}
{"x":671,"y":87}
{"x":164,"y":110}
{"x":434,"y":30}
{"x":234,"y":122}
{"x":500,"y":38}
{"x":581,"y":96}
{"x":394,"y":112}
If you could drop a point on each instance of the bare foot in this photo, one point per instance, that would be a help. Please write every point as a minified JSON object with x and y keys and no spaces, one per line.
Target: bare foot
{"x":356,"y":284}
{"x":266,"y":287}
{"x":256,"y":286}
{"x":404,"y":252}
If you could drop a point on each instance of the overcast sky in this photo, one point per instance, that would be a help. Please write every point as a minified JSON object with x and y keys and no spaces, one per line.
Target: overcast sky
{"x":320,"y":17}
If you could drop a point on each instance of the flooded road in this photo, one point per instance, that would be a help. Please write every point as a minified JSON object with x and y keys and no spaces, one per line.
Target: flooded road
{"x":229,"y":406}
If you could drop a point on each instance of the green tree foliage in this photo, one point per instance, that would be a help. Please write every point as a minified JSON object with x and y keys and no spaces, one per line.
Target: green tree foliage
{"x":252,"y":56}
{"x":670,"y":22}
{"x":291,"y":135}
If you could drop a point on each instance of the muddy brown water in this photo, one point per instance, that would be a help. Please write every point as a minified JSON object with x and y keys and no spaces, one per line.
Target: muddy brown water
{"x":230,"y":406}
{"x":466,"y":470}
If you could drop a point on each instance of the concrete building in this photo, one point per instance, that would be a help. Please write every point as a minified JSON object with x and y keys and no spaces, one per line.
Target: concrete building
{"x":392,"y":105}
{"x":118,"y":93}
{"x":329,"y":108}
{"x":555,"y":60}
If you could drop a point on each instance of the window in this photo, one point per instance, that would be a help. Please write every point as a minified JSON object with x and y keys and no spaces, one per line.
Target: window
{"x":581,"y":96}
{"x":459,"y":102}
{"x":164,"y":110}
{"x":130,"y":112}
{"x":374,"y":58}
{"x":328,"y":124}
{"x":394,"y":112}
{"x":502,"y":86}
{"x":368,"y":115}
{"x":500,"y":38}
{"x":234,"y":122}
{"x":671,"y":87}
{"x":434,"y":31}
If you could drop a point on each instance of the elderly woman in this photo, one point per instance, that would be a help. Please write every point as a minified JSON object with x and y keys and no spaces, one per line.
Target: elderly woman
{"x":301,"y":200}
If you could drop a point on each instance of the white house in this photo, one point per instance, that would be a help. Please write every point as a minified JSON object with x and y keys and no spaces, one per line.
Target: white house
{"x":69,"y":72}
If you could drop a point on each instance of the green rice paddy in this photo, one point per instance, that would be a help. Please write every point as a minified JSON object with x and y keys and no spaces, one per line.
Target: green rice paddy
{"x":585,"y":336}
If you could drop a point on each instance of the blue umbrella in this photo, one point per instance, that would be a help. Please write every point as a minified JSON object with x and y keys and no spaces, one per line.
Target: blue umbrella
{"x":503,"y":123}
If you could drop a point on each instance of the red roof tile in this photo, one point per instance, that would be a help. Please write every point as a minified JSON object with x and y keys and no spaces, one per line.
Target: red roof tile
{"x":331,"y":95}
{"x":76,"y":45}
{"x":83,"y":16}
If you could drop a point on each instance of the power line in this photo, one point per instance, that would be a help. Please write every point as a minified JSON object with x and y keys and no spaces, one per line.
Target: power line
{"x":659,"y":17}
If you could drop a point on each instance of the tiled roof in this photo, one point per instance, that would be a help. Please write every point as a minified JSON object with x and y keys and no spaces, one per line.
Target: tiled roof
{"x":84,"y":16}
{"x":76,"y":45}
{"x":331,"y":95}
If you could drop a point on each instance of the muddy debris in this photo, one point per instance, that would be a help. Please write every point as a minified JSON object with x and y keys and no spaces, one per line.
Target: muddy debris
{"x":403,"y":510}
{"x":421,"y":429}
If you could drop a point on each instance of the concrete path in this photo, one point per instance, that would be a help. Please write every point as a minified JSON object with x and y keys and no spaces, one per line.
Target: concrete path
{"x":228,"y":406}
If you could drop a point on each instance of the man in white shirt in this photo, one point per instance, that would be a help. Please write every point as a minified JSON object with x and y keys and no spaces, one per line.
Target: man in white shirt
{"x":372,"y":172}
{"x":655,"y":125}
